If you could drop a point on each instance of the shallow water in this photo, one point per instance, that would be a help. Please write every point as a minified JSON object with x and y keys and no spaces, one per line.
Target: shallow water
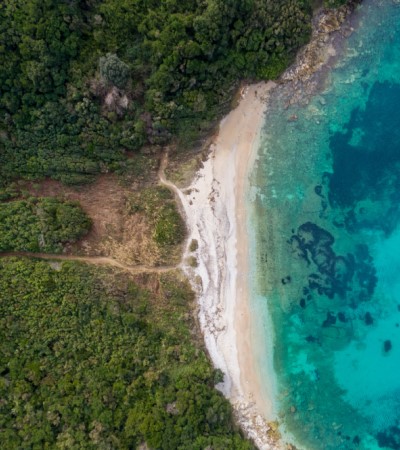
{"x":326,"y":245}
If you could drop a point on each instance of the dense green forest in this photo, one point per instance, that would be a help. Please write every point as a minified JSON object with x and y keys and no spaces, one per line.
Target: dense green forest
{"x":89,"y":360}
{"x":84,"y":81}
{"x":41,"y":225}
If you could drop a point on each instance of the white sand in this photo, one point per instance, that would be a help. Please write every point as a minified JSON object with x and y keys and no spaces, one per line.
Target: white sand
{"x":216,"y":217}
{"x":215,"y":211}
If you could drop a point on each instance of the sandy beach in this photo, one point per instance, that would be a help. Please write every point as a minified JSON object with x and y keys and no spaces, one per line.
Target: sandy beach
{"x":216,"y":216}
{"x":215,"y":210}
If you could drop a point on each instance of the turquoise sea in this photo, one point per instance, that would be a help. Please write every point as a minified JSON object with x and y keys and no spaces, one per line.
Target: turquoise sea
{"x":325,"y":208}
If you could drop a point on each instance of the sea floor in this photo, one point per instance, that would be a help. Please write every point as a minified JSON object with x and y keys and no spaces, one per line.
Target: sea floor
{"x":325,"y":193}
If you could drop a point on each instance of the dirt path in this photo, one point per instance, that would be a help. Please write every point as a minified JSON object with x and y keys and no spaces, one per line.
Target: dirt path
{"x":95,"y":260}
{"x":107,"y":261}
{"x":161,"y":172}
{"x":164,"y":181}
{"x":179,"y":196}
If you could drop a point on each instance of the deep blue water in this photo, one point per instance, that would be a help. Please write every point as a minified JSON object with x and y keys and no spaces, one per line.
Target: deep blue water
{"x":328,"y":244}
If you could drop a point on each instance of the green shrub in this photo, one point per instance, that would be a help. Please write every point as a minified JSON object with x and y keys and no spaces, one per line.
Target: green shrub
{"x":41,"y":225}
{"x":169,"y":229}
{"x":160,"y":208}
{"x":113,"y":70}
{"x":192,"y":261}
{"x":194,"y":245}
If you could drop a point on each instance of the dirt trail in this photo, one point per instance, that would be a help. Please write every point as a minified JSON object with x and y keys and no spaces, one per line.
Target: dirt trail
{"x":96,"y":260}
{"x":179,"y":196}
{"x":107,"y":261}
{"x":162,"y":177}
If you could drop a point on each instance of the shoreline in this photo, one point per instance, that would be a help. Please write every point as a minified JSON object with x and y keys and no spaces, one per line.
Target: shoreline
{"x":247,"y":141}
{"x":217,"y":218}
{"x":215,"y":210}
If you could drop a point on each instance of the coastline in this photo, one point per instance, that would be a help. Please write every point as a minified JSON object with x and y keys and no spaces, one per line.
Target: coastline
{"x":255,"y":402}
{"x":215,"y":210}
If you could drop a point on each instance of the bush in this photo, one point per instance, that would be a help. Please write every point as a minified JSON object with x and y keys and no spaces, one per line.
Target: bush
{"x":113,"y":70}
{"x":41,"y":225}
{"x":159,"y":206}
{"x":169,"y":228}
{"x":194,"y":245}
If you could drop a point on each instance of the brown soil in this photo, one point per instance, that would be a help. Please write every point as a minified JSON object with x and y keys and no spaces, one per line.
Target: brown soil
{"x":118,"y":237}
{"x":103,"y":201}
{"x":115,"y":233}
{"x":95,"y":260}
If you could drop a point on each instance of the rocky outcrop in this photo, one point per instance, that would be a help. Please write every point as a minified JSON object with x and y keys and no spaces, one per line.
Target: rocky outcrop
{"x":328,"y":25}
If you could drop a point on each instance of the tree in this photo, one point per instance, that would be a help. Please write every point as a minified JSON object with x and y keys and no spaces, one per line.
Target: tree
{"x":113,"y":70}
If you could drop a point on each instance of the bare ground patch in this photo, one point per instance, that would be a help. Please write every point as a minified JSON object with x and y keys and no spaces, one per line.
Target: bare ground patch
{"x":116,"y":232}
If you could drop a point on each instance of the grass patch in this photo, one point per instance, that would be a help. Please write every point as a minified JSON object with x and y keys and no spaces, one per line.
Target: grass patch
{"x":159,"y":206}
{"x":140,"y":168}
{"x":183,"y":167}
{"x":192,"y":261}
{"x":194,"y":245}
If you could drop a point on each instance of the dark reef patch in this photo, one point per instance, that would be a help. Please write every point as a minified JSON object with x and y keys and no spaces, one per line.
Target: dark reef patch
{"x":387,"y":346}
{"x":333,"y":274}
{"x":311,"y":338}
{"x":366,"y":164}
{"x":330,"y":319}
{"x":342,"y":317}
{"x":368,"y":319}
{"x":390,"y":438}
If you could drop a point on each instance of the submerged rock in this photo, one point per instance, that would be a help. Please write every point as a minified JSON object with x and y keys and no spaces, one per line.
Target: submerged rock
{"x":390,"y":438}
{"x":330,"y":320}
{"x":368,"y":319}
{"x":387,"y":346}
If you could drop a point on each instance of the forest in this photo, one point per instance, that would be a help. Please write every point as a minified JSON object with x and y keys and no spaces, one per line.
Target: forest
{"x":41,"y":225}
{"x":83,"y":82}
{"x":92,"y":360}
